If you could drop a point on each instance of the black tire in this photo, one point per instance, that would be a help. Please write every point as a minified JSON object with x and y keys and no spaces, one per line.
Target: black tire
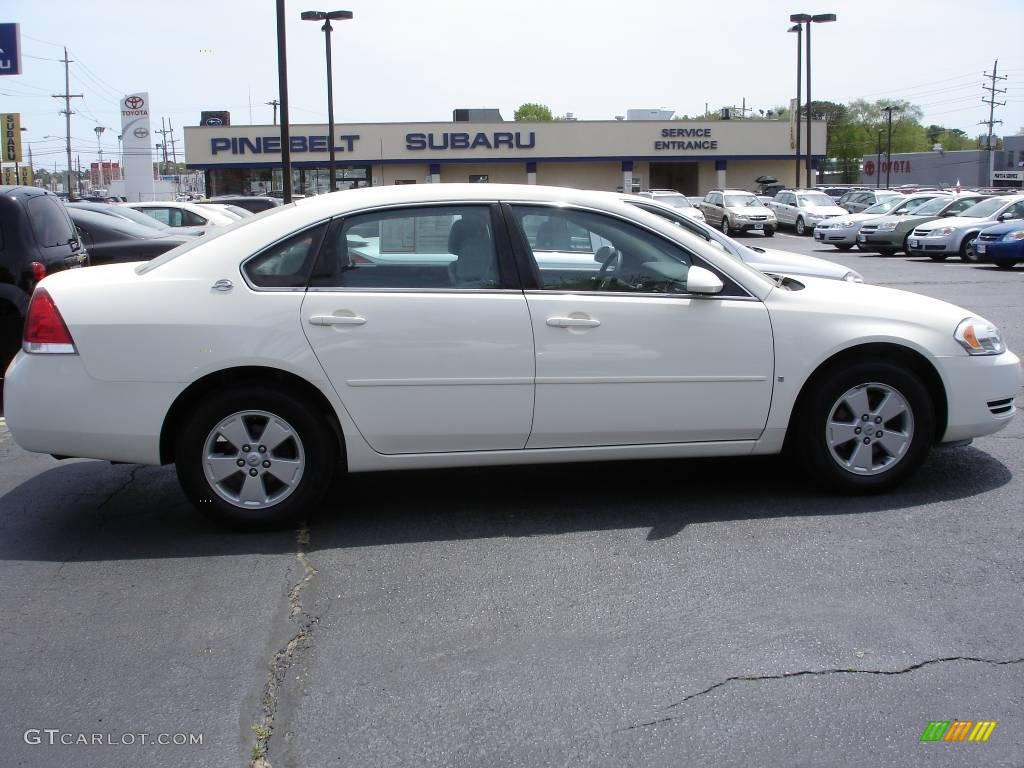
{"x":937,"y":256}
{"x":885,"y":251}
{"x":726,"y":229}
{"x":317,"y":441}
{"x":906,"y":245}
{"x":769,"y":233}
{"x":967,"y":248}
{"x":1006,"y":264}
{"x":800,"y":227}
{"x":844,"y":247}
{"x":815,"y":411}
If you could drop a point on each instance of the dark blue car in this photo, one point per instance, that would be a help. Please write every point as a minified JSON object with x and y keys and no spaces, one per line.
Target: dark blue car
{"x":1002,"y":244}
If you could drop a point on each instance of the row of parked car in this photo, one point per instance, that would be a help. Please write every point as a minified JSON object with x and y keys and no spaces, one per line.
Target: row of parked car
{"x":976,"y":226}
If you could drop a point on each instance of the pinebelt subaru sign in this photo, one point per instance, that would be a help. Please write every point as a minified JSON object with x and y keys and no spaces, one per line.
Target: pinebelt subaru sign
{"x":10,"y":49}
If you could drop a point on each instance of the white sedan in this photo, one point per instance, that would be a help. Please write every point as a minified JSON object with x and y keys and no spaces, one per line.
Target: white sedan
{"x":263,"y":356}
{"x":182,"y":214}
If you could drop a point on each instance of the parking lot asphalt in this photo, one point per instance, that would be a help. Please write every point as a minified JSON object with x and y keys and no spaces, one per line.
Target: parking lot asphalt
{"x":710,"y":612}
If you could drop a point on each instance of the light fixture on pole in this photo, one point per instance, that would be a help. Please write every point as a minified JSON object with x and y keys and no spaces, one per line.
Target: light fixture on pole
{"x":326,"y":17}
{"x":808,"y":19}
{"x":799,"y":29}
{"x":99,"y":132}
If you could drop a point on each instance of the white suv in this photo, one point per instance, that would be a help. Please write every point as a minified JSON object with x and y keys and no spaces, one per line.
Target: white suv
{"x":804,"y":209}
{"x":676,"y":200}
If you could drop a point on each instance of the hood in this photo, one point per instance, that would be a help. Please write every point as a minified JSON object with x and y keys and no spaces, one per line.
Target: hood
{"x":788,"y":263}
{"x":1004,"y":227}
{"x":751,"y":210}
{"x":964,"y":222}
{"x":825,"y":210}
{"x":854,"y":218}
{"x":693,"y":213}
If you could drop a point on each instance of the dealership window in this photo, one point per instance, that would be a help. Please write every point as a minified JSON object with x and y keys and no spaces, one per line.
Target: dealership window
{"x":448,"y":246}
{"x":479,"y":178}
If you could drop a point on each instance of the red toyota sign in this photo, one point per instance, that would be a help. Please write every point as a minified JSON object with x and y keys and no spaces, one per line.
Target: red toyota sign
{"x":869,"y":167}
{"x":134,"y":102}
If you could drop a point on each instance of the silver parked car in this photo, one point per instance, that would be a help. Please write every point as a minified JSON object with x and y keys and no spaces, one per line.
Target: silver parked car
{"x":733,"y":210}
{"x":858,"y":200}
{"x":943,"y":238}
{"x":804,"y":209}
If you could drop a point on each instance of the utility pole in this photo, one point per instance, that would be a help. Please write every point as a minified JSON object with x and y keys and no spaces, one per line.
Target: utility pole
{"x":174,"y":151}
{"x":888,"y":150}
{"x":992,"y":104}
{"x":68,"y":96}
{"x":274,"y":102}
{"x":163,"y":144}
{"x":31,"y":167}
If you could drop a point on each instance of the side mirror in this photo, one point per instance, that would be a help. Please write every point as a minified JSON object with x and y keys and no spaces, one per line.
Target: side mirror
{"x":703,"y":281}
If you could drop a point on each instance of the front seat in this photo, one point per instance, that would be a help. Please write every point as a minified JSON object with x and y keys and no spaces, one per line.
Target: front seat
{"x":473,"y":267}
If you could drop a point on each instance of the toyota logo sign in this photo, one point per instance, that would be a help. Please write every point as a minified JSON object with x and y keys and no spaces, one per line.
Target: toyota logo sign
{"x":134,"y":102}
{"x":140,"y":133}
{"x":869,"y":167}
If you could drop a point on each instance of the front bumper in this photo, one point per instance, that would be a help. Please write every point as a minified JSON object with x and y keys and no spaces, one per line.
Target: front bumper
{"x":981,"y":393}
{"x":753,"y":226}
{"x":54,"y":406}
{"x":946,"y":244}
{"x":866,"y":241}
{"x":999,"y":251}
{"x":829,"y":236}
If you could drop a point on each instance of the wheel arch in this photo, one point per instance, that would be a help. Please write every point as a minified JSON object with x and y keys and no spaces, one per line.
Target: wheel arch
{"x":879,"y":352}
{"x":280,"y":380}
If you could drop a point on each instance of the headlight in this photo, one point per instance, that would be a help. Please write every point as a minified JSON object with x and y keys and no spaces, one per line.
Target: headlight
{"x":853,"y":277}
{"x":945,"y":231}
{"x":844,"y":225}
{"x":979,"y":337}
{"x":887,"y":226}
{"x":1018,"y":235}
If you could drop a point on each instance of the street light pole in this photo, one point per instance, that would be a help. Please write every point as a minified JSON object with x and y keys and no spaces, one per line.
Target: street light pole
{"x":799,"y":29}
{"x":878,"y":159}
{"x":818,"y":18}
{"x":282,"y":86}
{"x":326,"y":17}
{"x":99,"y":133}
{"x":888,"y":151}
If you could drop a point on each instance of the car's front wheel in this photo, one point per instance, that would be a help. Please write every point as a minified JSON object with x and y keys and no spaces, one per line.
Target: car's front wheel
{"x":254,"y":457}
{"x":801,"y":228}
{"x":967,"y":252}
{"x":769,"y":233}
{"x":865,"y":427}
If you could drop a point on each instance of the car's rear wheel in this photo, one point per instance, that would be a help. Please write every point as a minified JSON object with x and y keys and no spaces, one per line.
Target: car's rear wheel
{"x":967,"y":252}
{"x":865,"y":427}
{"x":801,"y":228}
{"x":886,"y":251}
{"x":726,"y":229}
{"x":1006,"y":264}
{"x":254,"y":458}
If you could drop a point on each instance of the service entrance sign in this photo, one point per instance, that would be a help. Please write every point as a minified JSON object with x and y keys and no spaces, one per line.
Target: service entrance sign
{"x":10,"y":49}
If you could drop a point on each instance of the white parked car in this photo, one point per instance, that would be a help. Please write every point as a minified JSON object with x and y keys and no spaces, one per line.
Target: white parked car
{"x":804,"y":209}
{"x":676,"y":200}
{"x":260,"y":359}
{"x":181,"y":214}
{"x":771,"y":261}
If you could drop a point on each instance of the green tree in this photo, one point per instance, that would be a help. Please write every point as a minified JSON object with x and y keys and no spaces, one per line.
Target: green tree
{"x":533,"y":113}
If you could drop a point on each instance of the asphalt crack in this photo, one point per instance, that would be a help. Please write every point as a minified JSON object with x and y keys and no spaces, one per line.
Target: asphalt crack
{"x":819,"y":672}
{"x":285,"y":657}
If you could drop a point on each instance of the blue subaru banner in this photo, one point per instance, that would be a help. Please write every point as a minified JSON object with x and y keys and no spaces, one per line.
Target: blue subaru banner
{"x":10,"y":49}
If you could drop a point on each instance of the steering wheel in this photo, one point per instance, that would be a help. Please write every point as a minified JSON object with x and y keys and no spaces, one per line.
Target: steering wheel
{"x":614,"y":259}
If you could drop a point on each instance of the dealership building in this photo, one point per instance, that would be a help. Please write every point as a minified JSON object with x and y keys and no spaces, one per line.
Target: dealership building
{"x":689,"y":156}
{"x":944,"y":169}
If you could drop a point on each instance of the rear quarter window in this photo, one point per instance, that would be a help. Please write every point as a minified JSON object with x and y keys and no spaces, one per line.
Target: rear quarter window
{"x":50,"y":223}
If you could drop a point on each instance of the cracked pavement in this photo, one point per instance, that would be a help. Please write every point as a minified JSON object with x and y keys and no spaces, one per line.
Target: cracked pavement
{"x":713,"y":612}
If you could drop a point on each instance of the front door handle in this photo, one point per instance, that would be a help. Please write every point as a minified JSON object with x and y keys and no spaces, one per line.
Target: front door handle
{"x":337,"y":320}
{"x":573,"y":322}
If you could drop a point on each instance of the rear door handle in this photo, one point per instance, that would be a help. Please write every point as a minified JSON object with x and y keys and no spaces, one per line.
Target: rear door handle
{"x":573,"y":322}
{"x":337,"y":320}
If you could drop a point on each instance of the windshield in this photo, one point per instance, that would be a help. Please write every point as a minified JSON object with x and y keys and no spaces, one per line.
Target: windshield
{"x":817,"y":199}
{"x":911,"y":204}
{"x":885,"y":206}
{"x":985,"y":208}
{"x":935,"y":205}
{"x":676,"y":201}
{"x":742,"y":201}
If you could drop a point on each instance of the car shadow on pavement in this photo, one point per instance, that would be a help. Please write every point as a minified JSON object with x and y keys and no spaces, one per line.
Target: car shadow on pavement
{"x":92,"y":511}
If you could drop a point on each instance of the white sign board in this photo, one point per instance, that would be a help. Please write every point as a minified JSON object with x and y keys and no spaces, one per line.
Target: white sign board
{"x":137,"y":143}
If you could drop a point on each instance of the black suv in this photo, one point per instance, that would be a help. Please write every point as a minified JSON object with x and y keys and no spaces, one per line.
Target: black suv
{"x":37,"y":238}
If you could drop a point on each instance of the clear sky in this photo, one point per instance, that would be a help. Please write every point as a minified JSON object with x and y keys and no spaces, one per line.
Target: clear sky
{"x":416,"y":60}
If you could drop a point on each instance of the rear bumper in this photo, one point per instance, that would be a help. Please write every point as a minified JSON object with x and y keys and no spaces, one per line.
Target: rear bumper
{"x":81,"y":416}
{"x":982,"y":394}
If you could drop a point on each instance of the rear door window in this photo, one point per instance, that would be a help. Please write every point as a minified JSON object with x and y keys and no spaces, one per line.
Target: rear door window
{"x":50,"y":223}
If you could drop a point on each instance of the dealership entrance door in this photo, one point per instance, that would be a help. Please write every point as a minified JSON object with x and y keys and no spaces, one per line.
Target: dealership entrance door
{"x":681,"y":177}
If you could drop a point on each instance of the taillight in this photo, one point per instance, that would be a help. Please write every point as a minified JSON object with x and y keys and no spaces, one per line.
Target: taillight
{"x":38,"y":270}
{"x":45,"y":329}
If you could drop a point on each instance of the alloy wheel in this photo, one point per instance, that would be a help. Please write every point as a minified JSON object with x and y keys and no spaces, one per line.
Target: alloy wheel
{"x":869,"y":429}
